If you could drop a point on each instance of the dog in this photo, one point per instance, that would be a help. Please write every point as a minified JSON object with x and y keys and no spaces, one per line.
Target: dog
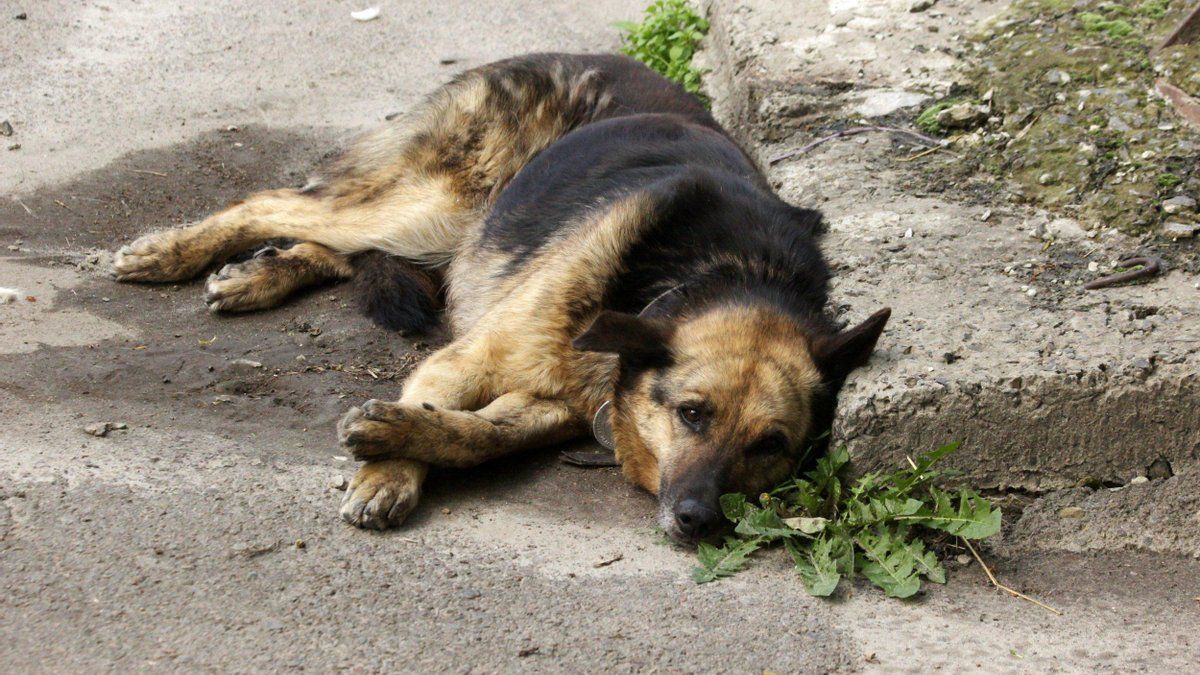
{"x":611,"y":260}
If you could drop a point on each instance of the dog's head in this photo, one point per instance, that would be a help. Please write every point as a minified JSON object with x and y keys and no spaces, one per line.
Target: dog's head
{"x":725,"y":401}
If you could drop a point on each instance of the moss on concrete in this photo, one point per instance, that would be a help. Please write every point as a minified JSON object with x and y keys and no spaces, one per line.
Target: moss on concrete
{"x":1075,"y":124}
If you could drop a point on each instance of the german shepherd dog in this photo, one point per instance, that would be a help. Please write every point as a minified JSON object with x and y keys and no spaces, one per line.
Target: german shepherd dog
{"x":601,"y":240}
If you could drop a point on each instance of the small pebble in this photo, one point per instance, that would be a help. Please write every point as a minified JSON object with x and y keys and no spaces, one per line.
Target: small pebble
{"x":98,"y":429}
{"x":1071,"y":512}
{"x":338,"y":482}
{"x":1057,"y":77}
{"x":1138,"y":480}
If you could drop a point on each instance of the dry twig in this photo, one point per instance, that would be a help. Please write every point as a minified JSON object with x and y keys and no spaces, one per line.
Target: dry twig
{"x":1006,"y":589}
{"x":854,"y":131}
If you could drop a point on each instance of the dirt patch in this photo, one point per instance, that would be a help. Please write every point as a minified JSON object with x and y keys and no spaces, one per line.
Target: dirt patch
{"x":150,"y":189}
{"x":316,"y":355}
{"x":1057,"y":100}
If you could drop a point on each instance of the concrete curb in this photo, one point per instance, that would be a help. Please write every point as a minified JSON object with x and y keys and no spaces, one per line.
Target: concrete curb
{"x":993,"y":340}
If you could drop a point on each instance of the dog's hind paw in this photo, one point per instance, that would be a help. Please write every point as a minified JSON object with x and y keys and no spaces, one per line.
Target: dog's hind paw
{"x":382,"y":494}
{"x":157,"y":257}
{"x":257,"y":283}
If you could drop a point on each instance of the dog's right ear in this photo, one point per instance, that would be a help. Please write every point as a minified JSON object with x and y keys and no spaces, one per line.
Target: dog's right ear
{"x":837,"y":355}
{"x":640,"y":342}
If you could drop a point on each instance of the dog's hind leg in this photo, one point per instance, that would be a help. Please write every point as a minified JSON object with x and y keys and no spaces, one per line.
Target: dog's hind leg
{"x":414,"y":188}
{"x":271,"y":275}
{"x":457,"y":438}
{"x":183,"y":253}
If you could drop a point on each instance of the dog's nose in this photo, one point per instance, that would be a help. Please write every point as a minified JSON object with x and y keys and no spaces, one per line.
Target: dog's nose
{"x":695,"y":520}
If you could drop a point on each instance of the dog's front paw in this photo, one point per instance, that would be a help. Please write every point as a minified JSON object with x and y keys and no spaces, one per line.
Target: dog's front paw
{"x":160,"y":256}
{"x":382,"y":494}
{"x":375,"y":430}
{"x":250,"y":285}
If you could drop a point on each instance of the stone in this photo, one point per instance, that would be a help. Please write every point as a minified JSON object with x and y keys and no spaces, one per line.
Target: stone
{"x":1057,"y":77}
{"x":962,"y":116}
{"x":1065,"y":228}
{"x":883,"y":102}
{"x":921,"y":5}
{"x":1139,"y":480}
{"x":1175,"y":230}
{"x":98,"y":429}
{"x":1178,"y":204}
{"x":1071,"y":513}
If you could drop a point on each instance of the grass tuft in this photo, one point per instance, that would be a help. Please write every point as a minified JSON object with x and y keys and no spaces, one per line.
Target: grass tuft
{"x":666,"y":40}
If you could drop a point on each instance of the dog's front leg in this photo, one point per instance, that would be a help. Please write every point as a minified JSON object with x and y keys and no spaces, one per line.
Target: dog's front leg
{"x":457,"y":438}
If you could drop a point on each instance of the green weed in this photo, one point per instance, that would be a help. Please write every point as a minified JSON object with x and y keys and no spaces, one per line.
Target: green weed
{"x":835,"y":528}
{"x":1167,"y":181}
{"x":1154,"y":9}
{"x":927,"y":120}
{"x":666,"y":40}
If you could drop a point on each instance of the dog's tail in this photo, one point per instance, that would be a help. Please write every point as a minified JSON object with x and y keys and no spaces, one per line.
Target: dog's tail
{"x":397,"y":294}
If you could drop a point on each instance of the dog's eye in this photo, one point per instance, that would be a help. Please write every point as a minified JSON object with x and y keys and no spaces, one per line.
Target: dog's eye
{"x":692,"y":416}
{"x":773,"y":444}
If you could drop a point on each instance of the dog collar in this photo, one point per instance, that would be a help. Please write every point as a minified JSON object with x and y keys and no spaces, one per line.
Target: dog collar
{"x":602,"y":426}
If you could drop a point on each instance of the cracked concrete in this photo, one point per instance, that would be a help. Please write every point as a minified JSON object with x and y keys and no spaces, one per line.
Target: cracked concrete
{"x":993,"y":340}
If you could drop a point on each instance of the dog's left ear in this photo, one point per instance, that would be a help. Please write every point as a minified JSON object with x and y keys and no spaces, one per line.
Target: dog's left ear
{"x":640,"y":342}
{"x":837,"y":355}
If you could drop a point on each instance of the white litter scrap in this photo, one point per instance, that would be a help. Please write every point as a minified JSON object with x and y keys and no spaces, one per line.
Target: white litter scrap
{"x":368,"y":14}
{"x":9,"y":295}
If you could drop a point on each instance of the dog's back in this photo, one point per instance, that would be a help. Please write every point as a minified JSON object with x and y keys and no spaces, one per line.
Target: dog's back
{"x":606,"y":122}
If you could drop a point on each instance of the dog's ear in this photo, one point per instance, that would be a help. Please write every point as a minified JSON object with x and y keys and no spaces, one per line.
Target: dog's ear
{"x":640,"y":342}
{"x":837,"y":355}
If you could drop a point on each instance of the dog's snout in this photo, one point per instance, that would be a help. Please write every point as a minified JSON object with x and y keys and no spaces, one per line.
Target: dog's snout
{"x":695,"y":520}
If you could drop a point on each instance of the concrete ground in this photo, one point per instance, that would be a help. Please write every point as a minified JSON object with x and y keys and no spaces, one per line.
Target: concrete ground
{"x":204,"y":535}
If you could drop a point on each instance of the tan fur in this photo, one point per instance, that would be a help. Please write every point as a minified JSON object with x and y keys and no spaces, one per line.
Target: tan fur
{"x":265,"y":280}
{"x":752,"y":366}
{"x":510,"y":380}
{"x":414,"y":188}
